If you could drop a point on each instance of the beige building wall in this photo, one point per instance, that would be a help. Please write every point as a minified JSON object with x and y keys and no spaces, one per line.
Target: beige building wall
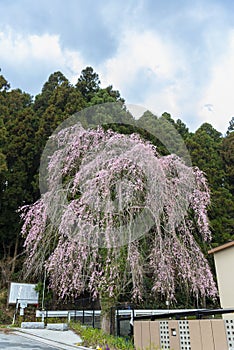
{"x":224,"y":264}
{"x":184,"y":335}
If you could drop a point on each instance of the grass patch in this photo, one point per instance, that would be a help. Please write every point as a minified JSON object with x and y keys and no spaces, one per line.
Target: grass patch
{"x":93,"y":337}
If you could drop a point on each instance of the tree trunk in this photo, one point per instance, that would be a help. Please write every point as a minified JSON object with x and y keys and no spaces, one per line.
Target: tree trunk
{"x":108,"y":314}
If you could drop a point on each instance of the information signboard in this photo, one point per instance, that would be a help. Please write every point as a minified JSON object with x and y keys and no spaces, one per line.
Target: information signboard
{"x":23,"y":293}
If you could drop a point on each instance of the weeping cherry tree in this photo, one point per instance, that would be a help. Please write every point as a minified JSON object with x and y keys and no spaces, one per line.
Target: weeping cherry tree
{"x":113,"y":212}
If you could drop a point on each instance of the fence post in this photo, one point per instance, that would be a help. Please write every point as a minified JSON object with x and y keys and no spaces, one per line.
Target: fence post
{"x":93,"y":318}
{"x":132,"y":323}
{"x":46,"y":314}
{"x":83,"y":312}
{"x":118,"y":323}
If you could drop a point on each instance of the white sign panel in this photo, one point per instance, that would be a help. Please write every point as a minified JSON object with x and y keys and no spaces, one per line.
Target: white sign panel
{"x":24,"y":292}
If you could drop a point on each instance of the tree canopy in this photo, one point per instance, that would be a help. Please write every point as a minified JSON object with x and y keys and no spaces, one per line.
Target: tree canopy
{"x":108,"y":194}
{"x":27,"y":122}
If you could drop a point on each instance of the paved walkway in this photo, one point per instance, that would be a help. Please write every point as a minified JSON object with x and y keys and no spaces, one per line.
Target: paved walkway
{"x":40,"y":339}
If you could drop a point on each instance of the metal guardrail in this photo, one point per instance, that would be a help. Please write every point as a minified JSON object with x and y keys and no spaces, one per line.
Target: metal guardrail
{"x":127,"y":312}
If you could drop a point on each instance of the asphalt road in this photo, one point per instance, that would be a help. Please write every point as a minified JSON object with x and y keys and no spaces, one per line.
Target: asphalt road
{"x":11,"y":341}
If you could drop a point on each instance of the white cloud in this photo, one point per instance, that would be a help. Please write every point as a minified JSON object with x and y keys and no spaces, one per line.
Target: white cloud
{"x":160,"y":61}
{"x":168,"y":76}
{"x":176,"y":77}
{"x":136,"y":51}
{"x":167,"y":100}
{"x":17,"y":48}
{"x":219,"y":92}
{"x":148,"y":68}
{"x":32,"y":53}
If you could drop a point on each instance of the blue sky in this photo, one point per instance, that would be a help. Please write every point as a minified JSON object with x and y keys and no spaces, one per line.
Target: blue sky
{"x":174,"y":56}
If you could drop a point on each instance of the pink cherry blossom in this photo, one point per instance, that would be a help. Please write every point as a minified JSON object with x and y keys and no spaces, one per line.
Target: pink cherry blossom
{"x":114,"y":212}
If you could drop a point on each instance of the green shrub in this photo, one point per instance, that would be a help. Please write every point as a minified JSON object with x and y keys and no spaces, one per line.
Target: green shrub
{"x":4,"y":318}
{"x":92,"y":337}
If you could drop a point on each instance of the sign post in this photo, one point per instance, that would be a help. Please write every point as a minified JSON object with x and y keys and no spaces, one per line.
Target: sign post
{"x":22,"y":294}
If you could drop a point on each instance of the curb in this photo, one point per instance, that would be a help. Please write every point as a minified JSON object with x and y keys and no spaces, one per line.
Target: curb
{"x":59,"y":345}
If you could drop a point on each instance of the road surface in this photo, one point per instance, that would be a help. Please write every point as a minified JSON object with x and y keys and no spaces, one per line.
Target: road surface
{"x":12,"y":341}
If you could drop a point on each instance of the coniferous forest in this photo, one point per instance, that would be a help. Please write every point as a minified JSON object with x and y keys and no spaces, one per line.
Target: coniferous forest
{"x":26,"y":122}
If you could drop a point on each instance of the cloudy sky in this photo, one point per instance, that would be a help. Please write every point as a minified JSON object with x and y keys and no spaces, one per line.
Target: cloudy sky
{"x":174,"y":56}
